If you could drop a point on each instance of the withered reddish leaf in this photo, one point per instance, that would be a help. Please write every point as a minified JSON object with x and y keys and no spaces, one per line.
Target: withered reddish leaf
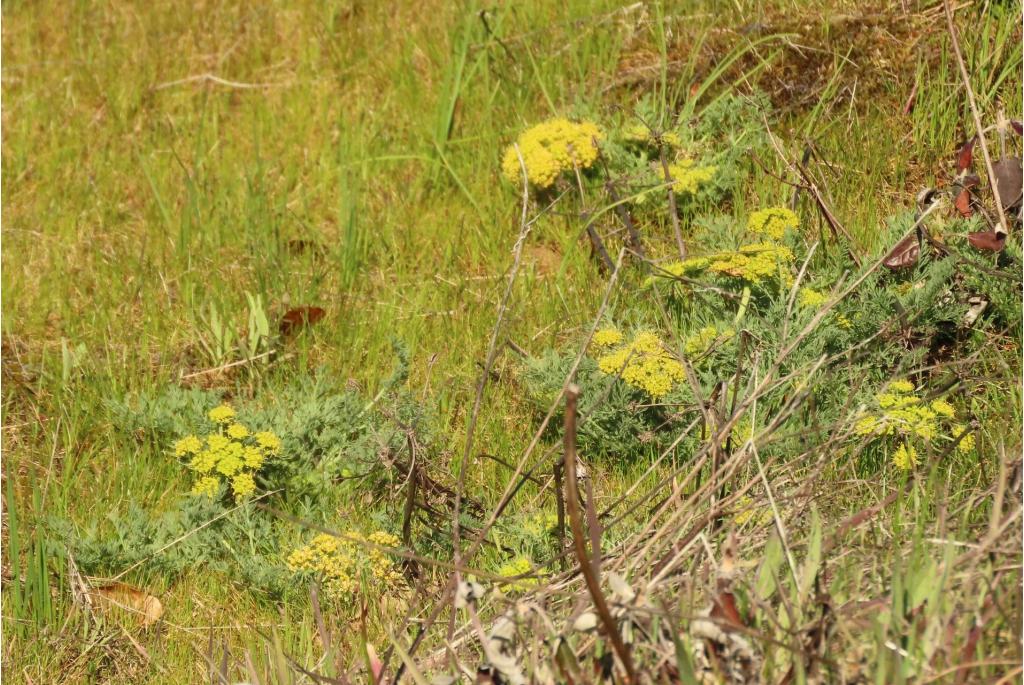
{"x":904,"y":255}
{"x":962,"y":202}
{"x":1008,"y":173}
{"x":724,"y":609}
{"x":966,"y":155}
{"x":987,"y":241}
{"x":295,"y":319}
{"x":1017,"y":126}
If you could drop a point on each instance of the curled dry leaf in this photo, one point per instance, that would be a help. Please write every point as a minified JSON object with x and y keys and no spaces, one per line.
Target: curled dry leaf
{"x":724,"y":609}
{"x":904,"y":254}
{"x":140,"y":604}
{"x":987,"y":241}
{"x":1017,"y":126}
{"x":1008,"y":173}
{"x":296,"y":319}
{"x":963,"y":200}
{"x":966,"y":155}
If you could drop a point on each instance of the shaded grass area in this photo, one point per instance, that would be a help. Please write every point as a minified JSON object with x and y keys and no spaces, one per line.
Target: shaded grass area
{"x":140,"y":194}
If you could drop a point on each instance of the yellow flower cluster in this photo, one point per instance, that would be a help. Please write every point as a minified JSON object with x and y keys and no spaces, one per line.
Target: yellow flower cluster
{"x":966,"y":444}
{"x":517,"y":567}
{"x":231,"y":453}
{"x":639,"y":133}
{"x":644,"y":363}
{"x":552,"y":148}
{"x":905,"y":457}
{"x":752,"y":263}
{"x":747,"y":511}
{"x":607,"y":337}
{"x":904,"y":414}
{"x":222,"y":414}
{"x":539,"y":524}
{"x":811,"y":298}
{"x":342,"y":563}
{"x":687,"y":177}
{"x":699,"y":343}
{"x":772,"y":222}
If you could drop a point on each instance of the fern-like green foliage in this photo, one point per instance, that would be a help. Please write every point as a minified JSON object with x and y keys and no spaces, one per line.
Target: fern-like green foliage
{"x":161,"y":415}
{"x":337,"y":446}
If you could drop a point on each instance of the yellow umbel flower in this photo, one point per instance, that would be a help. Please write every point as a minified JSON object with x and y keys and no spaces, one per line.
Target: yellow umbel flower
{"x":552,"y":148}
{"x":772,"y":222}
{"x":269,"y":442}
{"x":243,"y":485}
{"x":645,"y":364}
{"x":747,"y":511}
{"x":217,"y":442}
{"x":231,"y":452}
{"x":207,"y":486}
{"x":517,"y":567}
{"x":253,"y":457}
{"x":902,"y":387}
{"x":811,"y":298}
{"x":902,"y":414}
{"x":699,"y":343}
{"x":229,"y":464}
{"x":687,"y":177}
{"x":190,"y":444}
{"x":750,"y":263}
{"x":204,"y":462}
{"x":607,"y":337}
{"x":943,"y":408}
{"x":966,"y":444}
{"x":905,"y":457}
{"x":237,"y":431}
{"x":640,"y":133}
{"x":222,"y":414}
{"x":753,"y":263}
{"x":340,"y":563}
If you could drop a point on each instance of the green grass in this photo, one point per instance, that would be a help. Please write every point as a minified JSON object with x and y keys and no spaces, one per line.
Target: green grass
{"x":134,"y":202}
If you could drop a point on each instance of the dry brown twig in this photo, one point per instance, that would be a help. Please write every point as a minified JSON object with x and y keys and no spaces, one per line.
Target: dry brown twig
{"x":576,"y":523}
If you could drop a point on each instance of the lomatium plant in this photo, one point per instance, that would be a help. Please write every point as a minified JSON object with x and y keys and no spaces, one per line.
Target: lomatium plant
{"x":550,"y":149}
{"x":228,"y":458}
{"x":903,"y":418}
{"x":344,"y":564}
{"x":772,"y":223}
{"x":643,"y":363}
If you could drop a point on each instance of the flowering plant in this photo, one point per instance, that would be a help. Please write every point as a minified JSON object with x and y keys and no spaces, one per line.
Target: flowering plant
{"x":340,"y":563}
{"x":550,"y":149}
{"x":230,"y":455}
{"x":643,"y":363}
{"x":901,"y":415}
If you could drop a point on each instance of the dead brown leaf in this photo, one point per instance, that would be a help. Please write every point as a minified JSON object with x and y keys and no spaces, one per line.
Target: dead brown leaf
{"x":904,"y":254}
{"x":143,"y":606}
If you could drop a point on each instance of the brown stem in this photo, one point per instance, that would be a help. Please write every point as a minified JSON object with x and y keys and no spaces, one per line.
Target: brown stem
{"x":560,"y":506}
{"x":672,"y":204}
{"x":576,"y":522}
